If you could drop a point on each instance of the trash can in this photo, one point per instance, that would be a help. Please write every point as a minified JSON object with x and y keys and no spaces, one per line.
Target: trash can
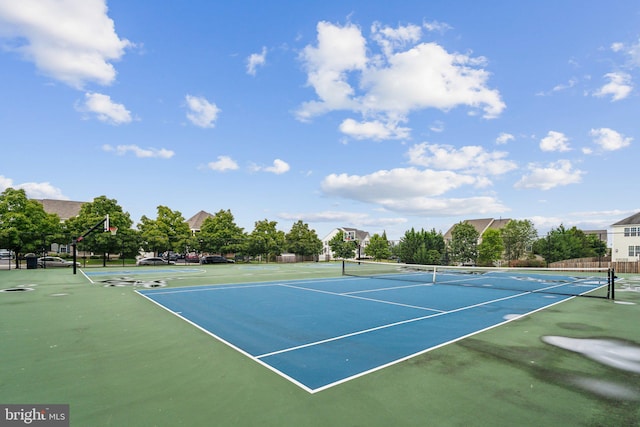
{"x":32,"y":261}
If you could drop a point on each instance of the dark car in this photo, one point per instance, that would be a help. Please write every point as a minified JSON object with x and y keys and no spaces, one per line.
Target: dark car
{"x":215,"y":259}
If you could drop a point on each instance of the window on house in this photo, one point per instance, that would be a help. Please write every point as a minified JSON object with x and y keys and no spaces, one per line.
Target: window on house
{"x":626,"y":232}
{"x":631,"y":253}
{"x":637,"y":250}
{"x":633,"y":231}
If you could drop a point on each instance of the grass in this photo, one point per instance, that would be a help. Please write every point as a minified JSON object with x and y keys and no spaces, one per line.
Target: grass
{"x":119,"y":360}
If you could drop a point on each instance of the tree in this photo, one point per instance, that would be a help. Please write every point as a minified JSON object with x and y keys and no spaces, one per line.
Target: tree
{"x":265,"y":239}
{"x":153,"y":240}
{"x":342,"y":248}
{"x":168,"y":232}
{"x":491,"y":248}
{"x":421,"y":247}
{"x":464,"y":243}
{"x":90,"y":215}
{"x":561,"y":244}
{"x":378,"y":247}
{"x":300,"y":240}
{"x":518,"y":237}
{"x":24,"y":225}
{"x":220,"y":234}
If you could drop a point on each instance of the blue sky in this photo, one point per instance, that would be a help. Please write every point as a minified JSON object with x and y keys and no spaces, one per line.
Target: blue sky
{"x":378,"y":115}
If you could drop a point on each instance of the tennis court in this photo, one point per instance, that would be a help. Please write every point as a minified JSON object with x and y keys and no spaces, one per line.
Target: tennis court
{"x":320,"y":333}
{"x":91,"y":341}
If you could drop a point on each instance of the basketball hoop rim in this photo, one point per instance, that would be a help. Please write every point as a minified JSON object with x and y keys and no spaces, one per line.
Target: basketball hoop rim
{"x":113,"y":230}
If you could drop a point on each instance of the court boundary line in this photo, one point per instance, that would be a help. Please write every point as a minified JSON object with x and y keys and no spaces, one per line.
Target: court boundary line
{"x":258,"y":358}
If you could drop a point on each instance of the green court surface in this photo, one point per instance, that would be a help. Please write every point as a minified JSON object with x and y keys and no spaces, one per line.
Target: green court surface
{"x":88,"y":340}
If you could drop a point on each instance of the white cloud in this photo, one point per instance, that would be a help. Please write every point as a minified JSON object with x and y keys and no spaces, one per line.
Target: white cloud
{"x":469,"y":159}
{"x":394,"y":184}
{"x":617,"y":47}
{"x":354,"y":219}
{"x":224,"y":163}
{"x":375,"y":130}
{"x":105,"y":109}
{"x":411,"y":191}
{"x":34,"y":190}
{"x":391,"y":39}
{"x":619,"y":86}
{"x":555,"y":174}
{"x":504,"y":138}
{"x":386,"y":87}
{"x":256,"y":60}
{"x":202,"y":113}
{"x":73,"y":41}
{"x":609,"y":139}
{"x":634,"y":54}
{"x":5,"y":183}
{"x":121,"y":150}
{"x":427,"y":206}
{"x":440,"y":27}
{"x":437,"y":126}
{"x":279,"y":167}
{"x":554,"y":141}
{"x":427,"y":76}
{"x":339,"y":50}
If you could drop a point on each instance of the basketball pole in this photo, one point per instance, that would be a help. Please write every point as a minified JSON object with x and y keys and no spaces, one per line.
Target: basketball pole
{"x":74,"y":244}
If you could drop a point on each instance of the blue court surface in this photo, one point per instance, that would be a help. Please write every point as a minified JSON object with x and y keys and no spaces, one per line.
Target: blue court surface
{"x":320,"y":333}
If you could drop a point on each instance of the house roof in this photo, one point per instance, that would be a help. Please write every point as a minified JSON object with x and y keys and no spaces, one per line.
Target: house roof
{"x":481,"y":225}
{"x":632,"y":220}
{"x":65,"y":209}
{"x":195,"y":222}
{"x":360,"y":234}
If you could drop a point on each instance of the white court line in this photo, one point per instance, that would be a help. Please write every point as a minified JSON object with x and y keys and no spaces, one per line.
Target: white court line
{"x":416,"y":319}
{"x":349,"y":295}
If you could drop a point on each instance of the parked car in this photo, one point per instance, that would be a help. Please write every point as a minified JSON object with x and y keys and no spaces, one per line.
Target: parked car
{"x":192,"y":258}
{"x":153,"y":261}
{"x":6,"y":254}
{"x":171,"y":256}
{"x":215,"y":259}
{"x":54,"y":261}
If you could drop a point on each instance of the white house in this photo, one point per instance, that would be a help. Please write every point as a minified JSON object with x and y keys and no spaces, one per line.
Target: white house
{"x":362,"y":238}
{"x":626,"y":239}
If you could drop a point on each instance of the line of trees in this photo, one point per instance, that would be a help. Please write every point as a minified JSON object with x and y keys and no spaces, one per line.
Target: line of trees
{"x":516,"y":244}
{"x":26,"y":227}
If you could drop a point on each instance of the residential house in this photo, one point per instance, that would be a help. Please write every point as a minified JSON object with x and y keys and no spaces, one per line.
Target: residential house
{"x":65,"y":209}
{"x":361,"y":237}
{"x":626,"y":239}
{"x":195,"y":222}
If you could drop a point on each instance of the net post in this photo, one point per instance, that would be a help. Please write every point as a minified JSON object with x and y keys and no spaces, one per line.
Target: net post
{"x":343,"y":267}
{"x":434,"y":274}
{"x":612,"y":283}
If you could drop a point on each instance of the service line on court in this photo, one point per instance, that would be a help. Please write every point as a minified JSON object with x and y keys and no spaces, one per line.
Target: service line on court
{"x":350,"y":295}
{"x":389,"y":325}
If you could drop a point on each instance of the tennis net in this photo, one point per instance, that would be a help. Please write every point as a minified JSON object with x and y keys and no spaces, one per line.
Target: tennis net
{"x":590,"y":282}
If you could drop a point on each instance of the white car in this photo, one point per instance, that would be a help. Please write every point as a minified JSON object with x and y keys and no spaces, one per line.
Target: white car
{"x":153,"y":261}
{"x":54,"y":261}
{"x":6,"y":254}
